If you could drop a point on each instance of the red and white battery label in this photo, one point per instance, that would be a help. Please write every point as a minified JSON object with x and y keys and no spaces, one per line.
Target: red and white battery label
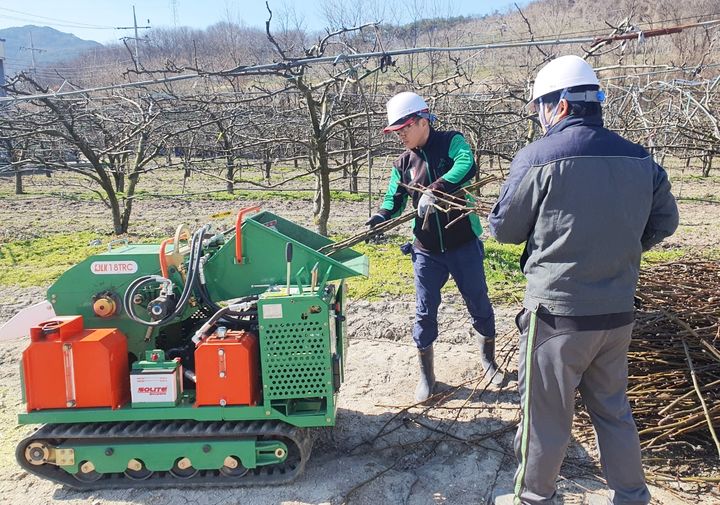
{"x":113,"y":267}
{"x":153,"y":387}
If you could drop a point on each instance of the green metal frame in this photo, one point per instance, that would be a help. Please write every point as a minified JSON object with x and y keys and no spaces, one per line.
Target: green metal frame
{"x":72,"y":293}
{"x":209,"y":454}
{"x":185,"y":410}
{"x":297,"y":351}
{"x":264,"y":237}
{"x":304,"y":409}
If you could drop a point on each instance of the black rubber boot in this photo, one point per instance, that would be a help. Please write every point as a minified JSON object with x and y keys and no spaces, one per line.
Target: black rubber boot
{"x":425,"y":386}
{"x":487,"y":359}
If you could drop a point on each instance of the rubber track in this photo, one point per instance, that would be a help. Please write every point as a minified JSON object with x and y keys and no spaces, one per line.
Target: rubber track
{"x":149,"y":431}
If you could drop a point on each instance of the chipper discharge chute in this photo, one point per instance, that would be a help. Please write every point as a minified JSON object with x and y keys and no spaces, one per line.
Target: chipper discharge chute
{"x":203,"y":360}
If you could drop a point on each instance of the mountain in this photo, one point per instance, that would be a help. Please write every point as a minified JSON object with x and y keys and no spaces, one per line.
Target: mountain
{"x":56,"y":46}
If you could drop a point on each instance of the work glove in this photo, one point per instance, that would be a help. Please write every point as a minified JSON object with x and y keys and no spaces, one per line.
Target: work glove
{"x":375,"y":220}
{"x":425,"y":204}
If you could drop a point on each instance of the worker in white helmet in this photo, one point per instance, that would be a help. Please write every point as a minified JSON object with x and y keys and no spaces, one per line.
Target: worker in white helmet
{"x":437,"y":161}
{"x":586,"y":203}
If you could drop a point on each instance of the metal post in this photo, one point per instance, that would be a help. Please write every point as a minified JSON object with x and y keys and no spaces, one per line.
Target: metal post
{"x":137,"y":51}
{"x":32,"y":54}
{"x":2,"y":67}
{"x":369,"y":162}
{"x":135,"y":27}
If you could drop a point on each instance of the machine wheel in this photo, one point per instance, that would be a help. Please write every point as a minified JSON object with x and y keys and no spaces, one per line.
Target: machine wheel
{"x":87,"y":472}
{"x":233,"y":467}
{"x":183,"y":469}
{"x":37,"y":453}
{"x":137,"y":470}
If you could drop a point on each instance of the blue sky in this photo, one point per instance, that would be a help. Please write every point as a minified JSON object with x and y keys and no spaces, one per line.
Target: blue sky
{"x":97,"y":19}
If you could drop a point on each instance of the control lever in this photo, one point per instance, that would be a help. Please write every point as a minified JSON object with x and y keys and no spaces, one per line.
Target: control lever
{"x":288,"y":259}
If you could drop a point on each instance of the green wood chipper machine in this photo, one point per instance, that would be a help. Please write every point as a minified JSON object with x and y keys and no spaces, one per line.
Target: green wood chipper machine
{"x":204,"y":360}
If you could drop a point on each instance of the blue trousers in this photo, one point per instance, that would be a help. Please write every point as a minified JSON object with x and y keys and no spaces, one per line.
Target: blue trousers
{"x":432,"y":271}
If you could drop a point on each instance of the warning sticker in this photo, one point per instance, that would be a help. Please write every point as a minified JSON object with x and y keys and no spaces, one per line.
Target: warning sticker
{"x":272,"y":311}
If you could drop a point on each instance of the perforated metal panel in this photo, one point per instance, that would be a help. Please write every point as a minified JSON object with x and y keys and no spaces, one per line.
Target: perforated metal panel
{"x":295,"y":355}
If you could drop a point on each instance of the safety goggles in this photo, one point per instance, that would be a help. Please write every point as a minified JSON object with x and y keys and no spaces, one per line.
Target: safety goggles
{"x":407,"y":120}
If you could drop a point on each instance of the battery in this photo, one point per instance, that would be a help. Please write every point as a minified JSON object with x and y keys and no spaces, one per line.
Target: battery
{"x":155,"y":381}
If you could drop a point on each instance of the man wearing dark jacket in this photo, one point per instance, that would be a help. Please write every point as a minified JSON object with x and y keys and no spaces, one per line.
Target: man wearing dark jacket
{"x":586,"y":203}
{"x":437,"y":161}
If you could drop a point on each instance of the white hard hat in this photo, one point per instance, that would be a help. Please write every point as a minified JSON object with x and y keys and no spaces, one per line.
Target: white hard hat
{"x":401,"y":108}
{"x":561,"y":73}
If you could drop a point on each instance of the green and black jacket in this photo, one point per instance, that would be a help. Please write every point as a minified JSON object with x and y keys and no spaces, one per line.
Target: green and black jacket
{"x":444,"y":163}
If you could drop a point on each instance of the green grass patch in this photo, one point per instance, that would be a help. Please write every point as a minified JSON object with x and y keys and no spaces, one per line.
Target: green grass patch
{"x":506,"y":282}
{"x":391,"y":273}
{"x":679,"y":178}
{"x":657,"y":255}
{"x":40,"y":261}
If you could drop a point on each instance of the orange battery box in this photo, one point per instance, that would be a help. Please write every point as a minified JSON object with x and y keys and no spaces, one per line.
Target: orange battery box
{"x":66,"y":366}
{"x":227,"y":370}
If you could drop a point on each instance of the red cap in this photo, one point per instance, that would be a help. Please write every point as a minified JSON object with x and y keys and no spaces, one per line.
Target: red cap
{"x":400,"y":124}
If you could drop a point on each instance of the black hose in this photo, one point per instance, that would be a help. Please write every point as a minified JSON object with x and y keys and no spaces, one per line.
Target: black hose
{"x":193,"y":283}
{"x":192,"y":275}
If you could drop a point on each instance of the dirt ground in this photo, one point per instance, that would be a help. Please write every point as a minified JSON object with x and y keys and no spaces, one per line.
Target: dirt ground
{"x":383,"y":450}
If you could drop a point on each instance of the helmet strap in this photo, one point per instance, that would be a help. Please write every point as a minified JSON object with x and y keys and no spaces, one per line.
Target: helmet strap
{"x":430,"y":117}
{"x":541,"y":115}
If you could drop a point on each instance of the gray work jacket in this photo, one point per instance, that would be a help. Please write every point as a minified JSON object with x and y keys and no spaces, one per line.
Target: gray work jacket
{"x":586,"y":202}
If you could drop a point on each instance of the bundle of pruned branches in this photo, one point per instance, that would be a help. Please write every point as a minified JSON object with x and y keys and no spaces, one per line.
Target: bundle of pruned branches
{"x":444,"y":202}
{"x":674,"y":368}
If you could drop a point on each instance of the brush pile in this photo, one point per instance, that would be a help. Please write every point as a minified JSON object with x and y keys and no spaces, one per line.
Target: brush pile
{"x":674,"y":368}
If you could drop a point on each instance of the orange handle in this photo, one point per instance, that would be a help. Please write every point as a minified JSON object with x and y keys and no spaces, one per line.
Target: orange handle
{"x":177,"y":256}
{"x":163,"y":258}
{"x":238,"y":231}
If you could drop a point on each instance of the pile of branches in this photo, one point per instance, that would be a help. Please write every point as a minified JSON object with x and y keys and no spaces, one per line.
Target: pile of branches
{"x":674,"y":368}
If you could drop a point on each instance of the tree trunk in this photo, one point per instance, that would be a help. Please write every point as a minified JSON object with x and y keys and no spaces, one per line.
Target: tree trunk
{"x":229,"y":174}
{"x":318,"y":196}
{"x":268,"y":165}
{"x":128,"y":202}
{"x":18,"y":182}
{"x":117,"y":215}
{"x":346,"y":146}
{"x":117,"y":163}
{"x":323,"y":210}
{"x":134,"y":178}
{"x":119,"y":181}
{"x":707,"y":160}
{"x":354,"y":169}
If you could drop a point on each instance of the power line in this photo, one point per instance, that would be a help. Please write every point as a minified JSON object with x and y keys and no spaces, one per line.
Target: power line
{"x":136,"y":38}
{"x":648,"y":24}
{"x":56,"y":20}
{"x":340,"y":58}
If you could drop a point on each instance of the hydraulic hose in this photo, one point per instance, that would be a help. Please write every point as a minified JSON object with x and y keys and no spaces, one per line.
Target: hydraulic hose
{"x":191,"y":278}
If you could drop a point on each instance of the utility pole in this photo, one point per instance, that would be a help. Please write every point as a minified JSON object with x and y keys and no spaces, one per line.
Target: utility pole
{"x":174,"y":9}
{"x":136,"y":38}
{"x":33,"y":50}
{"x":2,"y":67}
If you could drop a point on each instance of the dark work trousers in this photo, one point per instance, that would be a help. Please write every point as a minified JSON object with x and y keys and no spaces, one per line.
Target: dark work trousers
{"x":557,"y":356}
{"x":432,"y":271}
